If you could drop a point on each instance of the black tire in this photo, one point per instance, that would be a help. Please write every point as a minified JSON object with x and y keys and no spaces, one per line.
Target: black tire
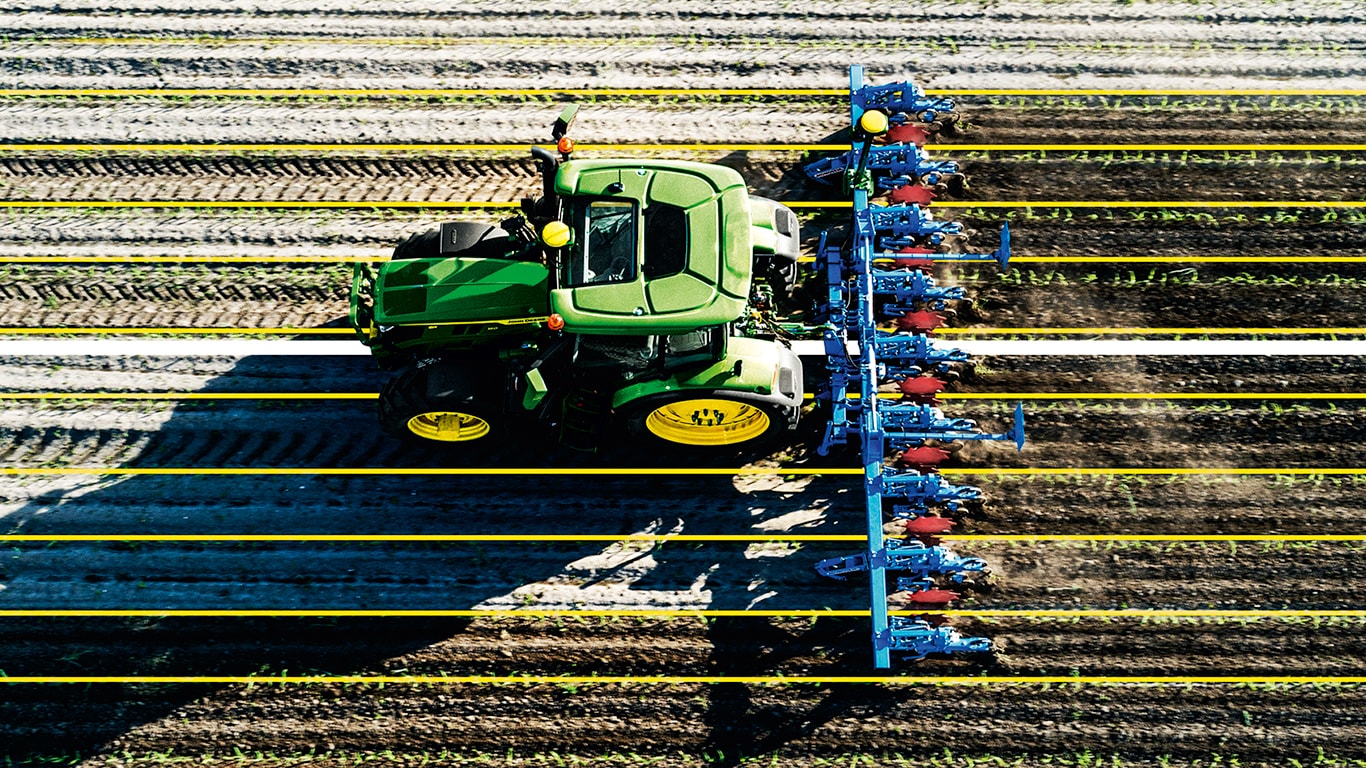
{"x":467,"y":393}
{"x":471,"y":239}
{"x":756,"y":422}
{"x":781,"y":274}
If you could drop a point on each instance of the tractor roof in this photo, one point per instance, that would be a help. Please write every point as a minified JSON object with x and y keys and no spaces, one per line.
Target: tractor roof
{"x":692,"y":251}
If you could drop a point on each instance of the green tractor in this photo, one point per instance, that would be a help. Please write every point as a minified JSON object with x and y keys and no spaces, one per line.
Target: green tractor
{"x":632,"y":297}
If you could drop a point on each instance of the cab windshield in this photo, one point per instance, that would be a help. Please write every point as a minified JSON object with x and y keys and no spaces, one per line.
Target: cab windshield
{"x":606,"y":253}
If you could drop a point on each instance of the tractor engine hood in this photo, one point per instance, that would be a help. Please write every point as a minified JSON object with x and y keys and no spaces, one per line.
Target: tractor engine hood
{"x":459,"y":290}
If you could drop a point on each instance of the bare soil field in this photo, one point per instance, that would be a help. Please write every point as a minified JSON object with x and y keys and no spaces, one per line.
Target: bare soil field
{"x":1244,"y":45}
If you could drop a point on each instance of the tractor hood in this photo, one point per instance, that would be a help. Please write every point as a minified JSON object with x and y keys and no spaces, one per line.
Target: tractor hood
{"x":458,"y":290}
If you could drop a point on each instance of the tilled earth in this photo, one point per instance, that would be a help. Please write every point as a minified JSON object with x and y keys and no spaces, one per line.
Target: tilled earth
{"x":397,"y":44}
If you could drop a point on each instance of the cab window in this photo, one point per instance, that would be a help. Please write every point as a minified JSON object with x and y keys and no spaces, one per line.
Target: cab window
{"x":666,"y":240}
{"x":607,"y":251}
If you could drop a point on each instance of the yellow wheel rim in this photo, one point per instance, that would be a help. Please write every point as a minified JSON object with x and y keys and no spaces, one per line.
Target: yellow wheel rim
{"x":707,"y":421}
{"x":448,"y":426}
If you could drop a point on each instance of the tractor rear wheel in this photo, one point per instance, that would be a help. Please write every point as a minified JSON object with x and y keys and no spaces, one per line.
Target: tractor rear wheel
{"x":443,"y":403}
{"x":705,"y":419}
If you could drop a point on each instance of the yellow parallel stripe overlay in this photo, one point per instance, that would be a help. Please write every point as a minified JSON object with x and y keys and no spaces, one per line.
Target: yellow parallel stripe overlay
{"x":419,"y":92}
{"x":654,"y":537}
{"x":1212,"y":537}
{"x":461,"y":471}
{"x":657,"y":537}
{"x":941,"y":331}
{"x":1127,"y":331}
{"x":841,"y":92}
{"x":942,"y":396}
{"x":193,"y":259}
{"x":550,"y":538}
{"x":679,"y":680}
{"x":189,"y":396}
{"x":1140,"y":147}
{"x":655,"y":471}
{"x":1154,"y":471}
{"x":456,"y":204}
{"x":136,"y":259}
{"x":195,"y":331}
{"x":665,"y":147}
{"x":1114,"y":204}
{"x":300,"y":204}
{"x":583,"y":147}
{"x":437,"y":537}
{"x":678,"y":613}
{"x":1151,"y":396}
{"x":1189,"y":259}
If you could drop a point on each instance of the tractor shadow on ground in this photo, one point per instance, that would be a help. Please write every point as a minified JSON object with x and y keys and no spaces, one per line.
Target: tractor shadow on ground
{"x":107,"y":575}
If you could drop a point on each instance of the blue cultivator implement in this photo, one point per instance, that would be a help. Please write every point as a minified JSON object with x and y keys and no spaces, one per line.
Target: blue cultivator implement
{"x":878,"y":276}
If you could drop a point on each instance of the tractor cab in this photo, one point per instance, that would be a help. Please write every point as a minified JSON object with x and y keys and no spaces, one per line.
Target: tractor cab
{"x":657,"y":247}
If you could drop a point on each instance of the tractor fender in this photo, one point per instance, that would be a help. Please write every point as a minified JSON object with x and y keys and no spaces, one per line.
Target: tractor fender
{"x":755,"y":370}
{"x":777,"y":238}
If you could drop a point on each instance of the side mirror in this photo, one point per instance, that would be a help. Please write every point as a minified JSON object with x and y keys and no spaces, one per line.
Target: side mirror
{"x":562,"y":123}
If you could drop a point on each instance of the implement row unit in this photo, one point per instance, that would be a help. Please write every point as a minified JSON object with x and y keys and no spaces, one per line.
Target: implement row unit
{"x":879,"y":275}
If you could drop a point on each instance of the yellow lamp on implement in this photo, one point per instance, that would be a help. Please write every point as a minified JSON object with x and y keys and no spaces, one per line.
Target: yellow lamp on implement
{"x":873,"y":122}
{"x":556,"y":234}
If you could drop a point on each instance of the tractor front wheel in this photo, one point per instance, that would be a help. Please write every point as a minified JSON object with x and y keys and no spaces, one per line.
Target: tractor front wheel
{"x":706,"y":419}
{"x":442,"y":403}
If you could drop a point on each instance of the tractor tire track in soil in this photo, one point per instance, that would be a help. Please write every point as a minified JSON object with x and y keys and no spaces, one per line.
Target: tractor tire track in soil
{"x":1163,"y":177}
{"x":654,"y":647}
{"x":1079,"y":434}
{"x":1045,"y":296}
{"x":1237,"y":120}
{"x":798,"y":723}
{"x":763,"y":44}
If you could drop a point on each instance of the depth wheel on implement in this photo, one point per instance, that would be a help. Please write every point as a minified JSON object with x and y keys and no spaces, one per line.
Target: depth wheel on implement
{"x":706,"y":419}
{"x":442,"y":403}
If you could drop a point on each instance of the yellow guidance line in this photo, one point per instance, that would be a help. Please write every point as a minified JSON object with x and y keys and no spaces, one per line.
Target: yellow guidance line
{"x":519,"y":148}
{"x":969,"y":331}
{"x":1173,"y":471}
{"x":243,"y":204}
{"x":942,"y":396}
{"x":1147,"y":680}
{"x":680,"y":613}
{"x":550,"y":538}
{"x":1111,"y":204}
{"x":191,"y":396}
{"x":556,"y":538}
{"x":142,"y":259}
{"x":1148,"y":396}
{"x":662,"y":147}
{"x":658,"y":471}
{"x":483,"y":204}
{"x":1271,"y":260}
{"x":437,"y":471}
{"x":195,"y":259}
{"x":178,"y":331}
{"x":587,"y":92}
